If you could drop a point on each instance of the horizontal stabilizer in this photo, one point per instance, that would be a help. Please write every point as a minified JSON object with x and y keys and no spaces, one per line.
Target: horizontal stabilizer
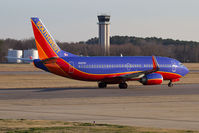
{"x":22,"y":59}
{"x":50,"y":60}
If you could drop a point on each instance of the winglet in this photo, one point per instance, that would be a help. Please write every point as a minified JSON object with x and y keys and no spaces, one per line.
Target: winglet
{"x":141,"y":74}
{"x":155,"y":64}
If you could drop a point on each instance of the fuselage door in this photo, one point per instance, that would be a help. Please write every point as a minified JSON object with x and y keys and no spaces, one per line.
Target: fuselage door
{"x":173,"y":66}
{"x":128,"y":66}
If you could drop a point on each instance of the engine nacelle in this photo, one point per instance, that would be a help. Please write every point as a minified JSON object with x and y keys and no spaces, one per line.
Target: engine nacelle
{"x":152,"y":79}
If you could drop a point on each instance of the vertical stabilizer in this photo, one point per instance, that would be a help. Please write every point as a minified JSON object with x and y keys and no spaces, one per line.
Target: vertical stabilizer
{"x":45,"y":43}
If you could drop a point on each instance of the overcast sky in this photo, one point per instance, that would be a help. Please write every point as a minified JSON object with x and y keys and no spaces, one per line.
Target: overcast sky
{"x":76,"y":20}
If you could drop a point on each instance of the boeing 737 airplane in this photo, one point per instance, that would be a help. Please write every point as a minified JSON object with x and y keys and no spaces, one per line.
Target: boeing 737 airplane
{"x":148,"y":70}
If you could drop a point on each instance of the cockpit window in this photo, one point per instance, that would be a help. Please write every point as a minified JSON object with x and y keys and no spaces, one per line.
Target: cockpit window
{"x":180,"y":64}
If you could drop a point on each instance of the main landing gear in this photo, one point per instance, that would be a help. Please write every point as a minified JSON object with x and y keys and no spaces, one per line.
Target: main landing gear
{"x":123,"y":85}
{"x":102,"y":85}
{"x":170,"y":84}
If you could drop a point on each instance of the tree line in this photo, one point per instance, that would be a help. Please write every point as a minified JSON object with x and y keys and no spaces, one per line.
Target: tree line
{"x":184,"y":51}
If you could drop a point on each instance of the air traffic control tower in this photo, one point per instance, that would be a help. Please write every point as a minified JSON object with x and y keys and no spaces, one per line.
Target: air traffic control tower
{"x":104,"y":31}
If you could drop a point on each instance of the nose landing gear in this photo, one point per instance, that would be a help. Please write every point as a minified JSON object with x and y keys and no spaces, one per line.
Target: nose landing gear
{"x":170,"y":84}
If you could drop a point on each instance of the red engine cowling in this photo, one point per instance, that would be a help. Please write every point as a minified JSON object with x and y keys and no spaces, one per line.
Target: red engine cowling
{"x":152,"y":79}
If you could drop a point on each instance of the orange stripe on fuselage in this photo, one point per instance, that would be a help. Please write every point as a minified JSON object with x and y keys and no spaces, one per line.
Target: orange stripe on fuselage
{"x":54,"y":68}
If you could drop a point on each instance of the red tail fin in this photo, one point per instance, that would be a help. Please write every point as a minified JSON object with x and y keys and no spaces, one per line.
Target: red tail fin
{"x":45,"y":43}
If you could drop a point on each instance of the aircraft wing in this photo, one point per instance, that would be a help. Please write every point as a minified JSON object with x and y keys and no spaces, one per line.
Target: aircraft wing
{"x":142,"y":73}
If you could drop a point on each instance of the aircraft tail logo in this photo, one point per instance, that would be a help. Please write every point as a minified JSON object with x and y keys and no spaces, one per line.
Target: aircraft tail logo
{"x":46,"y":45}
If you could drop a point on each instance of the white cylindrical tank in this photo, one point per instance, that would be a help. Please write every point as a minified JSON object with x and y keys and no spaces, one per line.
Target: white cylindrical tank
{"x":15,"y":54}
{"x":31,"y":53}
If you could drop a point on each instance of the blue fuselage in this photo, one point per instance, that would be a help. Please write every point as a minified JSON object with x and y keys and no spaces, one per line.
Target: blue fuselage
{"x":115,"y":64}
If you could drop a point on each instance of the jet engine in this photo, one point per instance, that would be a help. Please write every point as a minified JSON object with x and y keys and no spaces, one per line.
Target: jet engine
{"x":152,"y":79}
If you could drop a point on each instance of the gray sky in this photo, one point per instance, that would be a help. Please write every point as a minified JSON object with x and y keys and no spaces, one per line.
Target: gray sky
{"x":76,"y":20}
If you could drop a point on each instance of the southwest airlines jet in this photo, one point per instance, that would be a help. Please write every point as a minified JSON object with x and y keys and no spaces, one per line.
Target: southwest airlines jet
{"x":148,"y":70}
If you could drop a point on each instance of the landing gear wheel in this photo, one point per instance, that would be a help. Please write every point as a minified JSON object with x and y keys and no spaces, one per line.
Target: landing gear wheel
{"x":123,"y":85}
{"x":170,"y":84}
{"x":102,"y":85}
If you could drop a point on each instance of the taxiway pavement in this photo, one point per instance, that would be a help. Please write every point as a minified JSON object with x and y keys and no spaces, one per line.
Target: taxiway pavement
{"x":149,"y":106}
